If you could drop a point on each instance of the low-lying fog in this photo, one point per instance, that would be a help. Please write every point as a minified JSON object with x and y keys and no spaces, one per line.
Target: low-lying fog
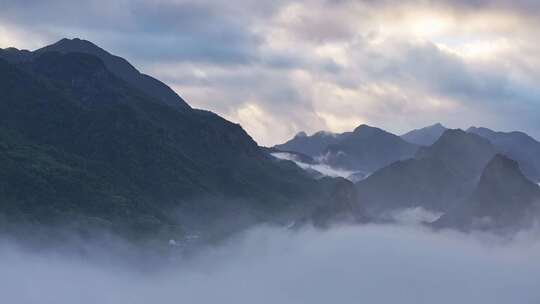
{"x":362,"y":264}
{"x":322,"y":167}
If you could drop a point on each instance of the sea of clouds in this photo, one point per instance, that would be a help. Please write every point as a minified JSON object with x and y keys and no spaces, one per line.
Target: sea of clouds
{"x":267,"y":265}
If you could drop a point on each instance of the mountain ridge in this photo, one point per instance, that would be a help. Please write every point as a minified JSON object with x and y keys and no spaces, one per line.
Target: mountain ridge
{"x":368,"y":149}
{"x":364,"y":149}
{"x":80,"y":144}
{"x":518,"y":145}
{"x":435,"y":179}
{"x":117,"y":65}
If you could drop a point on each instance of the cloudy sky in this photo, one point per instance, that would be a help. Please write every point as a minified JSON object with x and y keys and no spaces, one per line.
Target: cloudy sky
{"x":279,"y":67}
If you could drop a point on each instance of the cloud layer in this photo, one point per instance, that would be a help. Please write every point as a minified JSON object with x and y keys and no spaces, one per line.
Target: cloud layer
{"x":283,"y":66}
{"x":367,"y":264}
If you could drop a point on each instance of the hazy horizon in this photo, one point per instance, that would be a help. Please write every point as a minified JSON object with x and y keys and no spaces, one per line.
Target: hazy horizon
{"x":372,"y":263}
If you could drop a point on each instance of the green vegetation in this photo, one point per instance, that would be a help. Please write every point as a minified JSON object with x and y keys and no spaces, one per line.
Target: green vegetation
{"x":81,"y":147}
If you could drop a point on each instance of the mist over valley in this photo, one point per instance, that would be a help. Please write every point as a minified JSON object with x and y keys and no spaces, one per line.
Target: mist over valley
{"x":307,"y":152}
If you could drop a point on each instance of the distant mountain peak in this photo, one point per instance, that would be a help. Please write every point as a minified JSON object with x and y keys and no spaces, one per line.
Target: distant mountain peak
{"x":502,"y":169}
{"x":301,"y":134}
{"x":504,"y":197}
{"x":453,"y":133}
{"x":364,"y":127}
{"x":74,"y":41}
{"x":482,"y":131}
{"x":425,"y":136}
{"x":456,"y":139}
{"x":504,"y":173}
{"x":324,"y":133}
{"x":368,"y":131}
{"x":500,"y":163}
{"x":472,"y":128}
{"x":312,"y":145}
{"x":365,"y":149}
{"x":66,"y":45}
{"x":490,"y":134}
{"x":517,"y":145}
{"x":466,"y":152}
{"x":73,"y":45}
{"x":437,"y":125}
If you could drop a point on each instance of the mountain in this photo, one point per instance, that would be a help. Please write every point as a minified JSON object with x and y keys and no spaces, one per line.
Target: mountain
{"x":437,"y":178}
{"x":518,"y":146}
{"x":116,"y":65}
{"x":15,"y":55}
{"x":425,"y":136}
{"x":314,"y":145}
{"x":366,"y":149}
{"x":82,"y":146}
{"x":504,"y":198}
{"x":467,"y":154}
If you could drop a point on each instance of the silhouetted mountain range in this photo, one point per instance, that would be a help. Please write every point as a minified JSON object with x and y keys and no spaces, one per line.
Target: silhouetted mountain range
{"x":436,"y":178}
{"x":440,"y":174}
{"x":366,"y":149}
{"x":86,"y":139}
